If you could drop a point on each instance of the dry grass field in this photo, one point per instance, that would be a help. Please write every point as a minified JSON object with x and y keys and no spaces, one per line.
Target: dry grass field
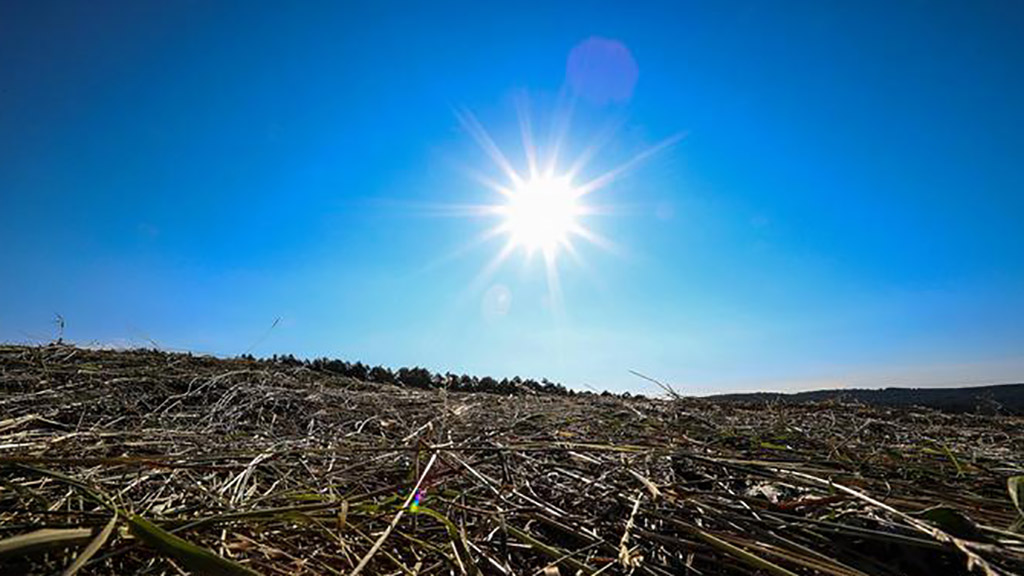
{"x":145,"y":462}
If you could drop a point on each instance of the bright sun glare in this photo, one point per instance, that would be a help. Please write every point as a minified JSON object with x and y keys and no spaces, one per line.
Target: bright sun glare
{"x":541,"y":213}
{"x":542,"y":207}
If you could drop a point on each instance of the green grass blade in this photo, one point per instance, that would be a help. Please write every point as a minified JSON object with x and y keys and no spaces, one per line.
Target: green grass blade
{"x":191,"y":556}
{"x":44,"y":539}
{"x":1015,"y":486}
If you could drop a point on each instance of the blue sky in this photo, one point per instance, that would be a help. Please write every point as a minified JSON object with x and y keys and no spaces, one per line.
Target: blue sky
{"x":846,"y":207}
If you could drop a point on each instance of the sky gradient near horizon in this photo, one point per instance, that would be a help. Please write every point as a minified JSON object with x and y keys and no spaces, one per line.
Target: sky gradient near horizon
{"x":845,"y":206}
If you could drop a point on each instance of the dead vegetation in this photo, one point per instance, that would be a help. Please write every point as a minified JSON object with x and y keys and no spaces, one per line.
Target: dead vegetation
{"x":143,"y":462}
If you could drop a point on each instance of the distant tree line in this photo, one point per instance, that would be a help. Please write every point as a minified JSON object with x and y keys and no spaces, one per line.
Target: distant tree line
{"x":997,"y":399}
{"x":425,"y":379}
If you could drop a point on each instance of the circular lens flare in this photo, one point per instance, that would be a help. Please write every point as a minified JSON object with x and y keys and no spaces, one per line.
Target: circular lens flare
{"x":541,"y":212}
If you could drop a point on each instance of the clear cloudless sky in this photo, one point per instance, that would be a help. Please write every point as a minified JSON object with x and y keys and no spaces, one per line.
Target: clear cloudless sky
{"x":846,"y":207}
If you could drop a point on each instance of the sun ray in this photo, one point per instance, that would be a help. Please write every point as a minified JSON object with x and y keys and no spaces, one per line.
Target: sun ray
{"x":477,"y":131}
{"x":488,"y":271}
{"x":596,"y":145}
{"x":476,"y":241}
{"x":596,"y":239}
{"x":570,"y":249}
{"x":421,"y":209}
{"x":595,"y":209}
{"x":554,"y":283}
{"x":442,"y":210}
{"x":593,"y":278}
{"x":526,"y":132}
{"x":487,"y":182}
{"x":606,"y":178}
{"x":559,"y":132}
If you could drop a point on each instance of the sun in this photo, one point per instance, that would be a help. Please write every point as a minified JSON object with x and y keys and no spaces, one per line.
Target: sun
{"x":541,"y":213}
{"x":545,"y":206}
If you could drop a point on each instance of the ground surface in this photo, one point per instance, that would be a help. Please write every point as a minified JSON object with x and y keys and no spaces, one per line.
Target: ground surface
{"x":284,"y":470}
